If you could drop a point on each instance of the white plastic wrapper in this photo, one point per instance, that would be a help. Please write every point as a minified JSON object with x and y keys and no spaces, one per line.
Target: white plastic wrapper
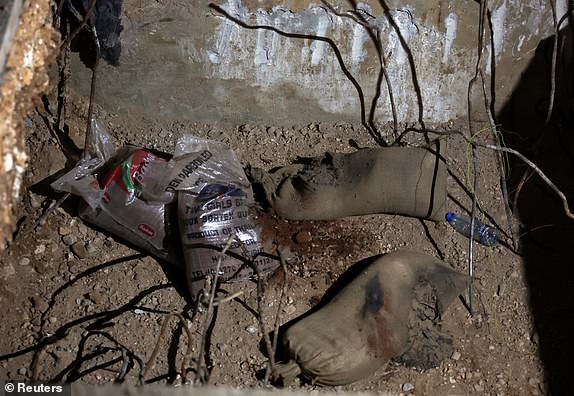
{"x":112,"y":184}
{"x":215,"y":201}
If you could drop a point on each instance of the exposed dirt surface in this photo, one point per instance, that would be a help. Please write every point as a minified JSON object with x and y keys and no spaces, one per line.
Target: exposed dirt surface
{"x":76,"y":299}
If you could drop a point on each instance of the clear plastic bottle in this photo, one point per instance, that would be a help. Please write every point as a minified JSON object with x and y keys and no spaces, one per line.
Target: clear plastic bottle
{"x":483,"y":234}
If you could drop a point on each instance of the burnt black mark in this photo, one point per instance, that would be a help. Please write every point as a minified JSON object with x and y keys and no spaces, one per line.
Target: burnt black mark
{"x":374,"y":297}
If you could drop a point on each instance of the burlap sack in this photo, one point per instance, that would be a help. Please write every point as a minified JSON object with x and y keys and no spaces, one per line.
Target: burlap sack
{"x":366,"y":323}
{"x":398,"y":180}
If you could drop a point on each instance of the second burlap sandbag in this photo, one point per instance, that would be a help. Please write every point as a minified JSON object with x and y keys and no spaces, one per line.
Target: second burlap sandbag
{"x":373,"y":319}
{"x":399,"y":180}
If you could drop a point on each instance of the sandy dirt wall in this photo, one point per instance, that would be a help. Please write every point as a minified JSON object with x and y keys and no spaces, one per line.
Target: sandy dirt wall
{"x":25,"y":78}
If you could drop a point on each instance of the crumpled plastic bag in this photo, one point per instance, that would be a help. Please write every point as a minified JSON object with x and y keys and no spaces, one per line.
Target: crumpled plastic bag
{"x":368,"y":322}
{"x":113,"y":184}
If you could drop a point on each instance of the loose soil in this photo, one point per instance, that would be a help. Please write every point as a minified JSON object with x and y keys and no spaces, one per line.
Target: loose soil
{"x":78,"y":303}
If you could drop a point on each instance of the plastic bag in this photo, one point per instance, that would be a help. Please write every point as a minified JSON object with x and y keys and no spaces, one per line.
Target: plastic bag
{"x":113,"y":183}
{"x":215,"y":201}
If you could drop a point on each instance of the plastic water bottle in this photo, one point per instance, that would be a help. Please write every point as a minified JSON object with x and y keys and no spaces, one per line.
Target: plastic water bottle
{"x":482,"y":233}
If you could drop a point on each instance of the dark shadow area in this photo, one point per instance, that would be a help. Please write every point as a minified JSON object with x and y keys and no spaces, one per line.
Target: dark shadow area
{"x":546,"y":232}
{"x":79,"y":17}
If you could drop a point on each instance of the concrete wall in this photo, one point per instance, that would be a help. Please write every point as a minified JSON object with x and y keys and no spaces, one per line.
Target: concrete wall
{"x":183,"y":60}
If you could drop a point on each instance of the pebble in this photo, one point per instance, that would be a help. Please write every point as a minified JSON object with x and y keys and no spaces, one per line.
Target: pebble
{"x":407,"y":387}
{"x":96,"y":297}
{"x":69,"y":239}
{"x":455,"y":355}
{"x":251,"y":329}
{"x":138,"y":311}
{"x":53,"y":319}
{"x":24,"y":261}
{"x":64,"y":230}
{"x":82,"y":229}
{"x":91,"y":249}
{"x":302,"y":237}
{"x":39,"y":303}
{"x":79,"y":249}
{"x":40,"y":249}
{"x":74,"y":269}
{"x":35,"y":200}
{"x":22,"y":371}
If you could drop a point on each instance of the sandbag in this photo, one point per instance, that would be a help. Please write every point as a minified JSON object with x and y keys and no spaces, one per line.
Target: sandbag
{"x":398,"y":180}
{"x":367,"y":322}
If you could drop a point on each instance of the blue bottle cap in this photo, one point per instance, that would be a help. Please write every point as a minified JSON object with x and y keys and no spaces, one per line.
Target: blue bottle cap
{"x":449,"y":216}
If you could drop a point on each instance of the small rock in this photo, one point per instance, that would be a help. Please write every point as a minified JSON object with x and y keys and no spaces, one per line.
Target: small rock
{"x":35,"y":200}
{"x":40,"y":249}
{"x":82,"y":229}
{"x":64,"y":230}
{"x":302,"y":237}
{"x":79,"y":249}
{"x":96,"y":297}
{"x":74,"y":269}
{"x":455,"y":355}
{"x":69,"y":239}
{"x":251,"y":329}
{"x":407,"y":387}
{"x":22,"y":371}
{"x":24,"y":261}
{"x":52,"y":319}
{"x":39,"y":303}
{"x":91,"y":249}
